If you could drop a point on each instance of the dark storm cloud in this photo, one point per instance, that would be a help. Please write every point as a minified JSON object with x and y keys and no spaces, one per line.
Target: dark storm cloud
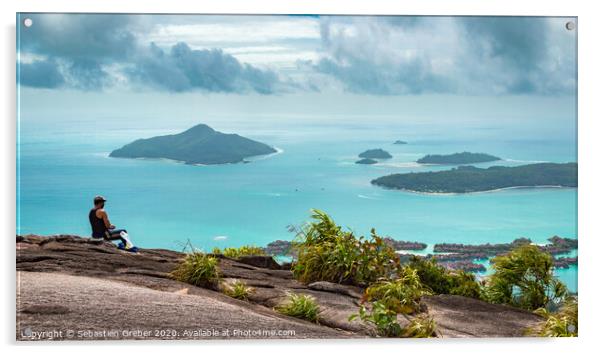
{"x":464,"y":55}
{"x":184,"y":69}
{"x":42,"y":74}
{"x":78,"y":49}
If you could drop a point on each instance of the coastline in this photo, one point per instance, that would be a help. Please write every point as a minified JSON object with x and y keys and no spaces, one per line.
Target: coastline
{"x":477,"y":192}
{"x":164,"y":159}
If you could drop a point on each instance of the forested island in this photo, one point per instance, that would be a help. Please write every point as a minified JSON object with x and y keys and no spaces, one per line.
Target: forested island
{"x":400,"y":142}
{"x":375,"y":154}
{"x":197,"y":145}
{"x":467,"y":179}
{"x":458,"y":158}
{"x":366,"y":162}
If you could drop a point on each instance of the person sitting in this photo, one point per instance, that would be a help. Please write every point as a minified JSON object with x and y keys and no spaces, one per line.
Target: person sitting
{"x":103,"y":229}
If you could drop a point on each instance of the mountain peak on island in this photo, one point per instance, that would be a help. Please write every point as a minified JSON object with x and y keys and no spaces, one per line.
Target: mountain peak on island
{"x":200,"y":144}
{"x":199,"y":129}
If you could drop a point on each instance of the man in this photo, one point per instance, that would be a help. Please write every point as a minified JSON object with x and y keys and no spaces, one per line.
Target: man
{"x":103,"y":229}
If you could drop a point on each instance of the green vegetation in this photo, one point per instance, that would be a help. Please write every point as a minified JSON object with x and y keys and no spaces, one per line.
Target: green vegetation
{"x":382,"y":317}
{"x":197,"y":145}
{"x":366,"y":162}
{"x":421,"y":326}
{"x":444,"y":281}
{"x":524,"y":278}
{"x":458,"y":158}
{"x":198,"y":269}
{"x":401,"y":295}
{"x":466,"y":179}
{"x":234,"y":253}
{"x":375,"y":154}
{"x":326,"y":252}
{"x":564,"y":323}
{"x":238,"y":290}
{"x":300,"y":306}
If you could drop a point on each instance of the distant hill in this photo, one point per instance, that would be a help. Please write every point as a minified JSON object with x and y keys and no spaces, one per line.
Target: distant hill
{"x":197,"y":145}
{"x":375,"y":154}
{"x":466,"y":179}
{"x":366,"y":162}
{"x":458,"y":158}
{"x":400,"y":142}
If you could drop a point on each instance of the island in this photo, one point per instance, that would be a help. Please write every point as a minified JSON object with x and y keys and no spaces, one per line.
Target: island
{"x":366,"y":162}
{"x":467,"y":179}
{"x":375,"y":154}
{"x":198,"y":145}
{"x":400,"y":142}
{"x":458,"y":158}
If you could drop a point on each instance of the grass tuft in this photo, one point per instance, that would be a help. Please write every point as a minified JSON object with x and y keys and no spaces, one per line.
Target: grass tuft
{"x":300,"y":306}
{"x":198,"y":269}
{"x":237,"y":252}
{"x":238,"y":290}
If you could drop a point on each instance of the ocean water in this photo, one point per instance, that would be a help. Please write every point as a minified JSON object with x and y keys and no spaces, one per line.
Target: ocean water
{"x":164,"y":204}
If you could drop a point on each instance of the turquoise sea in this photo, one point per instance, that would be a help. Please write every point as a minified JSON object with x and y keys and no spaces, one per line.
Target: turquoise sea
{"x":164,"y":204}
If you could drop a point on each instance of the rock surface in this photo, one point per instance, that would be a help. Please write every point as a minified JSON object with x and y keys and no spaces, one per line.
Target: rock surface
{"x":72,"y":283}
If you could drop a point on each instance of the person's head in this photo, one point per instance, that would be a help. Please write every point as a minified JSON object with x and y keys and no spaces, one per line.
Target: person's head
{"x":99,"y":201}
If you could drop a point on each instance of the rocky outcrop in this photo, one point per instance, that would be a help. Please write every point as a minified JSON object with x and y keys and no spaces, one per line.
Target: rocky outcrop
{"x":71,"y":283}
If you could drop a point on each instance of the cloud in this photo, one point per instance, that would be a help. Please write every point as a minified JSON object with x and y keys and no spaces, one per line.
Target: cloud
{"x":376,"y":55}
{"x":79,"y":49}
{"x":184,"y":69}
{"x":458,"y":55}
{"x":41,"y":74}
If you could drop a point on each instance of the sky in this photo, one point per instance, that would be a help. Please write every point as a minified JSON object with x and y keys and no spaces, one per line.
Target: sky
{"x":116,"y":65}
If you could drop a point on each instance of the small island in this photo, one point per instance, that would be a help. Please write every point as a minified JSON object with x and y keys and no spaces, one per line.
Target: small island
{"x":467,"y":179}
{"x":366,"y":162}
{"x":400,"y":142}
{"x":197,"y":145}
{"x":459,"y":158}
{"x":375,"y":154}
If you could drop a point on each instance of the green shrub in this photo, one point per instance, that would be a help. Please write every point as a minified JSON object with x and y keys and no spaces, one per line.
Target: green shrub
{"x":232,"y":252}
{"x":524,"y":278}
{"x":197,"y":269}
{"x":443,"y":281}
{"x":238,"y":290}
{"x":300,"y":306}
{"x":564,"y":323}
{"x":326,"y":252}
{"x":421,"y":326}
{"x":382,"y":317}
{"x":401,"y":295}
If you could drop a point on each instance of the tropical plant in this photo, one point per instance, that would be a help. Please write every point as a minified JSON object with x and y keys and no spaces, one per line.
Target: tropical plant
{"x":238,"y":290}
{"x":301,"y":306}
{"x":524,"y":278}
{"x":401,"y":295}
{"x":198,"y":269}
{"x":382,"y":317}
{"x":443,"y":281}
{"x":564,"y":323}
{"x":326,"y":252}
{"x":232,"y":252}
{"x":421,"y":326}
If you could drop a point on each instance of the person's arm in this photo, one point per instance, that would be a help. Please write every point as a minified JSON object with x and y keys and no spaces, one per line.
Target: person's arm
{"x":103,"y":215}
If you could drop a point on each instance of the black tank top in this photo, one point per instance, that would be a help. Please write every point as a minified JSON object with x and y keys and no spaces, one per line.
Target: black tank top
{"x":98,"y":225}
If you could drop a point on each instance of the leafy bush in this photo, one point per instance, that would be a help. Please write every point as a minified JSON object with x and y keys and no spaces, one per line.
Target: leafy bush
{"x":564,"y":323}
{"x":421,"y":326}
{"x":238,"y":290}
{"x":524,"y":278}
{"x":382,"y":317}
{"x":326,"y":252}
{"x":300,"y":306}
{"x":197,"y":269}
{"x":234,"y":253}
{"x":443,"y":281}
{"x":401,"y":295}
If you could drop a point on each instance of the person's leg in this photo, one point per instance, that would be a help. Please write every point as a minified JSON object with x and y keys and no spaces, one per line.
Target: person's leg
{"x":120,"y":234}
